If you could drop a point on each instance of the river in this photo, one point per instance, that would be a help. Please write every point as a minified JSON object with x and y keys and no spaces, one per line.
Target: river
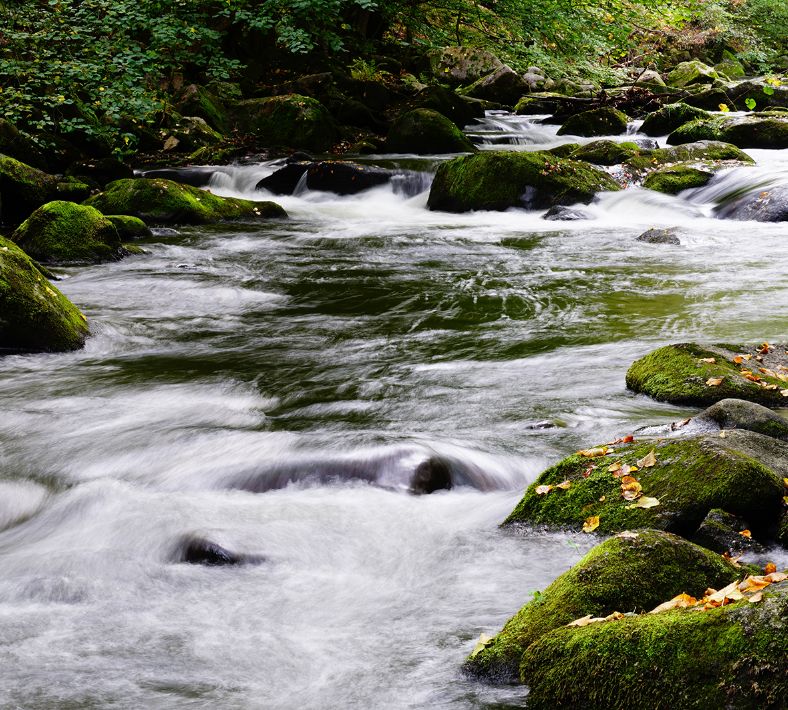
{"x":364,"y":331}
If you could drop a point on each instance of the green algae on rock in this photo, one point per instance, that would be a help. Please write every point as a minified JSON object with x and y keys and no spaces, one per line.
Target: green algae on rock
{"x":669,"y":117}
{"x":635,"y":572}
{"x":603,"y":121}
{"x":750,"y":131}
{"x":705,"y":151}
{"x":673,"y":179}
{"x":605,"y":152}
{"x":500,"y":180}
{"x":34,"y":315}
{"x":159,"y":201}
{"x":740,"y":473}
{"x":734,"y":656}
{"x":424,"y":131}
{"x":692,"y":72}
{"x":66,"y":233}
{"x":129,"y":228}
{"x":687,"y":374}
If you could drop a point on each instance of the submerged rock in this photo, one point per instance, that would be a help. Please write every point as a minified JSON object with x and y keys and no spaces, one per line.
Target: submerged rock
{"x":767,"y":205}
{"x":702,"y":375}
{"x":603,"y":121}
{"x":559,"y":213}
{"x":67,"y":233}
{"x":500,"y":180}
{"x":660,"y":236}
{"x":669,"y":117}
{"x":674,"y":179}
{"x":423,"y":131}
{"x":164,"y":202}
{"x":195,"y":550}
{"x":34,"y":315}
{"x":740,"y":474}
{"x":632,"y":573}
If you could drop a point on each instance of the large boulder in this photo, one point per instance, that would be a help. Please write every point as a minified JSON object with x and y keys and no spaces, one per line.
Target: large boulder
{"x":605,"y":152}
{"x":20,"y":146}
{"x":696,"y":375}
{"x":651,"y":80}
{"x":66,"y":233}
{"x":504,"y":85}
{"x":24,"y":189}
{"x":462,"y":65}
{"x":732,"y":656}
{"x":668,"y":484}
{"x":669,"y":117}
{"x":674,"y":179}
{"x":690,"y":73}
{"x":500,"y":180}
{"x":459,"y":109}
{"x":196,"y":100}
{"x":190,"y":133}
{"x":159,"y":201}
{"x":335,"y":176}
{"x":632,"y":572}
{"x":292,"y":120}
{"x":34,"y":315}
{"x":707,"y":152}
{"x":129,"y":228}
{"x":424,"y":132}
{"x":752,"y":131}
{"x":603,"y":121}
{"x":764,"y":205}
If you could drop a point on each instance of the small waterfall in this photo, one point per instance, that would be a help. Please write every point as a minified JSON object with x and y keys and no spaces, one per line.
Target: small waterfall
{"x":733,"y":184}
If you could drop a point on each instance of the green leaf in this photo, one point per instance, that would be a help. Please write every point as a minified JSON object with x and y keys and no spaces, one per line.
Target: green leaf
{"x":750,"y":104}
{"x":768,"y":90}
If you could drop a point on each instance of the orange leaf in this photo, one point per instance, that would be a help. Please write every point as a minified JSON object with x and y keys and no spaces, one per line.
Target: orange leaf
{"x":765,"y":347}
{"x":770,"y":567}
{"x":738,"y":359}
{"x":591,"y":524}
{"x":714,"y":381}
{"x":630,"y":488}
{"x":746,"y":533}
{"x":588,"y":470}
{"x":681,"y":601}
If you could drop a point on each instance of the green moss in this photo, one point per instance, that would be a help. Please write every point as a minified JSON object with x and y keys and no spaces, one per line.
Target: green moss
{"x":692,"y":72}
{"x":733,"y":657}
{"x":706,"y":151}
{"x":755,"y":131}
{"x":23,"y":189}
{"x":693,"y":476}
{"x":424,"y":131}
{"x":677,"y":374}
{"x":292,"y":121}
{"x":626,"y":574}
{"x":499,"y":180}
{"x":606,"y":152}
{"x":34,"y":315}
{"x":564,"y":150}
{"x":604,"y":121}
{"x":129,"y":228}
{"x":66,"y":233}
{"x":672,"y":180}
{"x":166,"y":202}
{"x":201,"y":102}
{"x":669,"y":117}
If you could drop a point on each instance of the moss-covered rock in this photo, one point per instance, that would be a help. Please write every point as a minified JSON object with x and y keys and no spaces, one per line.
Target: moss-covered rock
{"x":160,"y":201}
{"x":461,"y":65}
{"x":189,"y":134}
{"x":603,"y":121}
{"x":692,"y":72}
{"x":23,"y":189}
{"x":625,"y":574}
{"x":741,"y":474}
{"x":753,"y":131}
{"x":669,"y":117}
{"x":423,"y":131}
{"x":734,"y":656}
{"x":564,"y":150}
{"x":658,"y":235}
{"x":500,"y":180}
{"x":722,"y":532}
{"x":675,"y":178}
{"x":688,"y":374}
{"x":129,"y":228}
{"x":66,"y":233}
{"x":708,"y":152}
{"x":34,"y":315}
{"x":20,"y":146}
{"x":605,"y":152}
{"x":504,"y":85}
{"x":740,"y":414}
{"x":292,"y":121}
{"x":199,"y":101}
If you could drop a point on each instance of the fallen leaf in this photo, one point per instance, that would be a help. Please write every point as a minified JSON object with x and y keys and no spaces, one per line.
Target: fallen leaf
{"x":785,"y":482}
{"x":709,"y":360}
{"x":746,"y":533}
{"x":648,"y":460}
{"x":543,"y":490}
{"x":602,"y":499}
{"x":723,"y":435}
{"x":623,"y":440}
{"x":714,"y":381}
{"x":769,"y":567}
{"x":170,"y":143}
{"x":614,"y":616}
{"x":614,"y":467}
{"x":628,"y":535}
{"x":765,"y":347}
{"x":630,"y":488}
{"x":593,"y":453}
{"x":755,"y":598}
{"x":483,"y":642}
{"x":738,"y":359}
{"x":729,"y":593}
{"x":591,"y":524}
{"x":777,"y":577}
{"x":582,"y":621}
{"x":753,"y":378}
{"x":733,"y":560}
{"x":680,"y":601}
{"x":645,"y":502}
{"x":784,"y":393}
{"x":588,"y":470}
{"x":564,"y":485}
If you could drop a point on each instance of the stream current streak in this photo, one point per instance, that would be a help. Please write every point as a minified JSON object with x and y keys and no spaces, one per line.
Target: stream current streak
{"x":364,"y":329}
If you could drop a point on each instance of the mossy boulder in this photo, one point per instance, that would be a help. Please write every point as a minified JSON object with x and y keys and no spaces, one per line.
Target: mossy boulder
{"x":20,"y":146}
{"x":669,"y":117}
{"x":740,"y":473}
{"x":196,"y":100}
{"x":504,"y":85}
{"x":675,"y":178}
{"x":129,"y":228}
{"x":632,"y":573}
{"x":688,"y":374}
{"x":603,"y":121}
{"x":459,"y":109}
{"x":753,"y":131}
{"x":66,"y":233}
{"x":189,"y":134}
{"x":692,"y":72}
{"x":159,"y":201}
{"x":500,"y":180}
{"x":461,"y":65}
{"x":740,"y":414}
{"x":34,"y":315}
{"x":709,"y":152}
{"x":423,"y":131}
{"x":23,"y":189}
{"x":605,"y":152}
{"x":292,"y":121}
{"x":734,"y":656}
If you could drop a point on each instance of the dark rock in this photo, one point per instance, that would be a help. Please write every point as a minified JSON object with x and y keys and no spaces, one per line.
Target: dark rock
{"x":751,"y":131}
{"x":559,"y":213}
{"x":423,"y":131}
{"x":20,"y":146}
{"x":196,"y":176}
{"x":503,"y":85}
{"x":766,"y":205}
{"x":603,"y":121}
{"x":102,"y":170}
{"x":456,"y":108}
{"x":196,"y":550}
{"x":345,"y":178}
{"x":354,"y":113}
{"x":660,"y":236}
{"x":284,"y":180}
{"x":741,"y":414}
{"x":721,"y":532}
{"x":198,"y":101}
{"x":431,"y":475}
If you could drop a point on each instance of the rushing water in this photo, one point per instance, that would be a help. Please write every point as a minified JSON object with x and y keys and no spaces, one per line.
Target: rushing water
{"x":368,"y":332}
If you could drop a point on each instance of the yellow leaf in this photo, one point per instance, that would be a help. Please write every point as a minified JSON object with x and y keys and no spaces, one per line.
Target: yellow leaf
{"x":481,"y":644}
{"x":628,"y":535}
{"x":543,"y":490}
{"x":769,"y":567}
{"x":630,"y":488}
{"x":709,"y":360}
{"x":564,"y":485}
{"x":785,"y":482}
{"x":681,"y":601}
{"x":738,"y":359}
{"x":746,"y":533}
{"x":602,"y":499}
{"x":582,"y":621}
{"x":617,"y":465}
{"x":591,"y":524}
{"x":593,"y":453}
{"x":645,"y":502}
{"x":714,"y":381}
{"x":724,"y":108}
{"x":648,"y":460}
{"x":729,"y":593}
